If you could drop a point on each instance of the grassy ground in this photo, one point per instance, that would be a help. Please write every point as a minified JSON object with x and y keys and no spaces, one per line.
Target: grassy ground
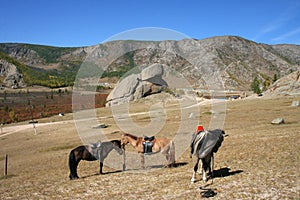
{"x":256,"y":161}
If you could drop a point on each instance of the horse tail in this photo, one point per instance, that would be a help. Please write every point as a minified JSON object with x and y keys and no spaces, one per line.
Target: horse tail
{"x":172,"y":153}
{"x":73,"y":163}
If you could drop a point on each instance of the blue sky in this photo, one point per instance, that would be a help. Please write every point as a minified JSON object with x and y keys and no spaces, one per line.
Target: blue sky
{"x":89,"y":22}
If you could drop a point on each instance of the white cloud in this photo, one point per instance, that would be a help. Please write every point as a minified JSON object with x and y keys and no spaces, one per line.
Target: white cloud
{"x":283,"y":19}
{"x":287,"y":35}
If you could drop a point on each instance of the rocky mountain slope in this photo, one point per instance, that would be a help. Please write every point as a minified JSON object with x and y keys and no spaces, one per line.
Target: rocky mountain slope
{"x":11,"y":76}
{"x":229,"y":62}
{"x":287,"y":85}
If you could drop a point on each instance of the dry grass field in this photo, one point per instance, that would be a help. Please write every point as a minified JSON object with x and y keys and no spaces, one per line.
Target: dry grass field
{"x":257,"y":160}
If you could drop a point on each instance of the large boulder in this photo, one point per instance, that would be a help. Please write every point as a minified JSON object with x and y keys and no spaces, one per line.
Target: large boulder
{"x":124,"y":90}
{"x":287,"y":85}
{"x":136,"y":86}
{"x":153,"y":74}
{"x":278,"y":121}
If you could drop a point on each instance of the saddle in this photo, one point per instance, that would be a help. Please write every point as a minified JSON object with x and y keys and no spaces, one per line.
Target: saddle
{"x":148,"y":143}
{"x":146,"y":138}
{"x":93,"y":149}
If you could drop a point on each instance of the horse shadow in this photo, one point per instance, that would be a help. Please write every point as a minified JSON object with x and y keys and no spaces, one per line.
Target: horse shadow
{"x":104,"y":173}
{"x":225,"y":171}
{"x":178,"y":164}
{"x":174,"y":165}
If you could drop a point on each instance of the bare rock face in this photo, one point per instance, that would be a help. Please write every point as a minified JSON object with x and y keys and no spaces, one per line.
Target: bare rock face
{"x":287,"y":85}
{"x":12,"y":78}
{"x":153,"y":74}
{"x":124,"y":90}
{"x":7,"y":68}
{"x":136,"y":86}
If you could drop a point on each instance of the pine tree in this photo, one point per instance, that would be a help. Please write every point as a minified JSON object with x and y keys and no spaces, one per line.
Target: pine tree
{"x":255,"y":86}
{"x":275,"y":78}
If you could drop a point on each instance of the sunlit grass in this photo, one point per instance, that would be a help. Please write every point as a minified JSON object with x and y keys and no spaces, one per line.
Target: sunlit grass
{"x":262,"y":159}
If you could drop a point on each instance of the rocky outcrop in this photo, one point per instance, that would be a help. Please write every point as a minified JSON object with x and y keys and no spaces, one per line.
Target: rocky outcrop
{"x":287,"y":85}
{"x":12,"y":78}
{"x":136,"y":86}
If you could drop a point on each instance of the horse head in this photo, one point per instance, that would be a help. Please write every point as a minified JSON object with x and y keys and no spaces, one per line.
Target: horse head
{"x":192,"y":144}
{"x":124,"y":139}
{"x":118,"y":147}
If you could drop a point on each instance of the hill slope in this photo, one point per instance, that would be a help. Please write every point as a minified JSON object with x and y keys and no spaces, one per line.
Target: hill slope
{"x":233,"y":60}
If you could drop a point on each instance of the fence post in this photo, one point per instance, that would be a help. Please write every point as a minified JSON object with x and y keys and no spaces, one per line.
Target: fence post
{"x":5,"y":165}
{"x":34,"y":126}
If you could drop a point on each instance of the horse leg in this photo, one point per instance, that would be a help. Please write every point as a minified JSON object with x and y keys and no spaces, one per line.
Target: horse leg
{"x":171,"y":154}
{"x":101,"y":167}
{"x":200,"y":169}
{"x":193,"y":179}
{"x":73,"y":171}
{"x":124,"y":161}
{"x":206,"y":169}
{"x":143,"y":161}
{"x":73,"y":163}
{"x":212,"y":167}
{"x":166,"y":154}
{"x":168,"y":159}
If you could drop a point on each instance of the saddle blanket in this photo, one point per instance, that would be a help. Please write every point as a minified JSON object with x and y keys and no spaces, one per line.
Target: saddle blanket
{"x":208,"y":141}
{"x":94,"y":149}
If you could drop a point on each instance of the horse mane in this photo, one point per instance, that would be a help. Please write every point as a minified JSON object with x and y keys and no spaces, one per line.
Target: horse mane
{"x":132,"y":136}
{"x":116,"y":142}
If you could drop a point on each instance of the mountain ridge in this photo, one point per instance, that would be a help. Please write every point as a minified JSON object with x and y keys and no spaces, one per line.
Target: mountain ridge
{"x":235,"y":60}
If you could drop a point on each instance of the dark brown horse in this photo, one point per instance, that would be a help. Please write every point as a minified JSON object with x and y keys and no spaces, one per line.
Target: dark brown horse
{"x":98,"y":151}
{"x":205,"y":144}
{"x":163,"y":145}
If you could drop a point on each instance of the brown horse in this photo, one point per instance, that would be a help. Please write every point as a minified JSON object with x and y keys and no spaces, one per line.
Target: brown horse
{"x":163,"y":145}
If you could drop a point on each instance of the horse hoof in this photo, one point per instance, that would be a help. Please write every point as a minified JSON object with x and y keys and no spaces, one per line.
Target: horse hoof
{"x":74,"y":178}
{"x":193,"y":180}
